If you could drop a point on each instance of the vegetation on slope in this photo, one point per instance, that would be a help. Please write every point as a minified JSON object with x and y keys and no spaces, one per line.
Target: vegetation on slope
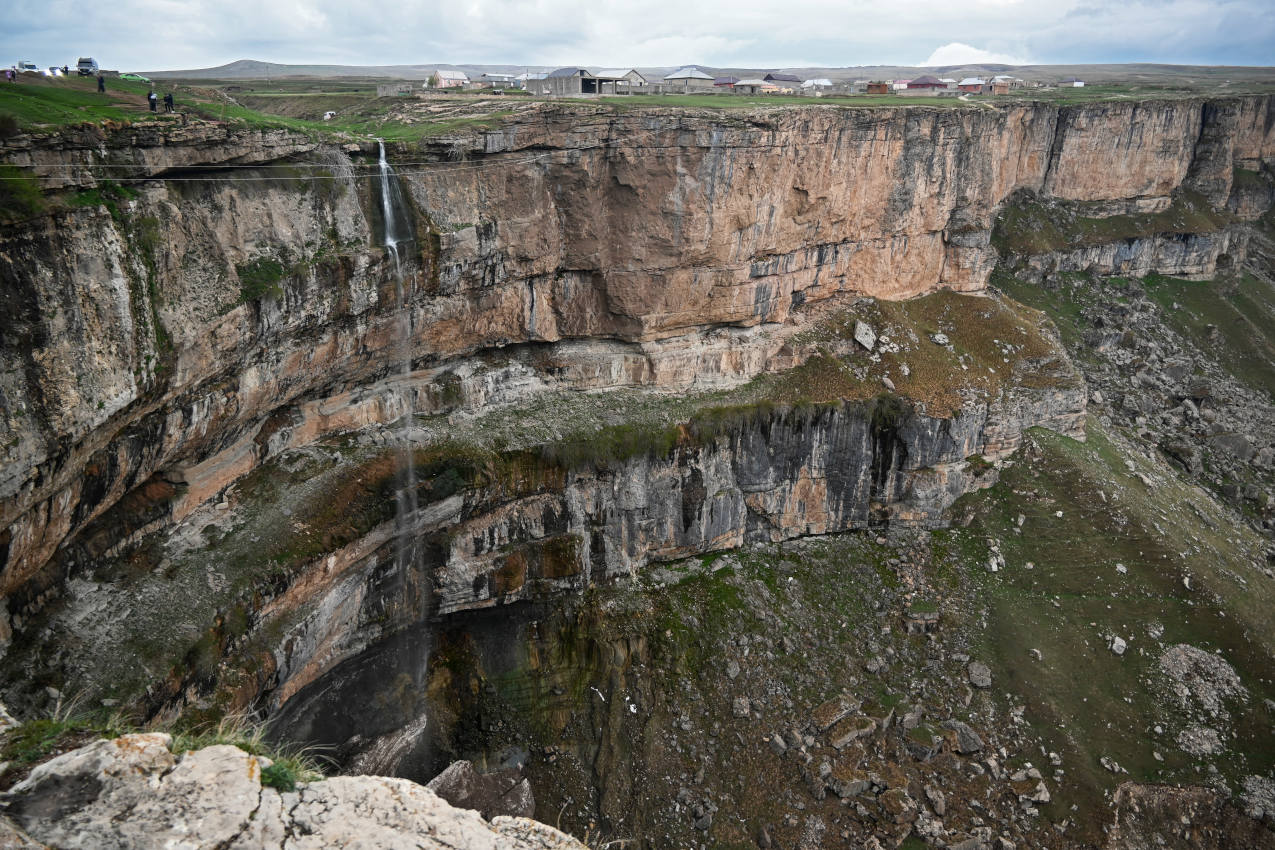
{"x":37,"y":740}
{"x":1029,"y":225}
{"x":645,"y":678}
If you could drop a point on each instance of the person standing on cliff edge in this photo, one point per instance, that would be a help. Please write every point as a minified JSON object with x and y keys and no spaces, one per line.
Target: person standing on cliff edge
{"x":168,"y":102}
{"x":152,"y":100}
{"x":101,"y":84}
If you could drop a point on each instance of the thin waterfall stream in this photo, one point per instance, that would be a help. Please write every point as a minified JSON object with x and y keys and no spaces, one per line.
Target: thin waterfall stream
{"x":397,"y":232}
{"x":386,"y":753}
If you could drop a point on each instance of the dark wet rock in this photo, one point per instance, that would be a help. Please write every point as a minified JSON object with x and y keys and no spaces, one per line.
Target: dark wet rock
{"x":503,"y":792}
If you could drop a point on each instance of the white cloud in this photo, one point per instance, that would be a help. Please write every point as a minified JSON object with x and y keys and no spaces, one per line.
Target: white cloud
{"x":133,"y":34}
{"x":956,"y":53}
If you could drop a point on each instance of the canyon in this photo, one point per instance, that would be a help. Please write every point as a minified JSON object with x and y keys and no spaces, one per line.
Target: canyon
{"x":636,"y":338}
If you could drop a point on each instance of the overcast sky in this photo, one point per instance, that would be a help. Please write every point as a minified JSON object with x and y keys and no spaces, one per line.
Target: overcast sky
{"x":173,"y":34}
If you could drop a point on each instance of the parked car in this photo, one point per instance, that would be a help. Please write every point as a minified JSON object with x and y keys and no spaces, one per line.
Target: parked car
{"x":86,"y":67}
{"x":53,"y":71}
{"x":137,"y":78}
{"x":25,"y":67}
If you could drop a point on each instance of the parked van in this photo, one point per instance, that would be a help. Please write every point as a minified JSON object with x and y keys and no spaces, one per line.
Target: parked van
{"x":25,"y":67}
{"x":87,"y":66}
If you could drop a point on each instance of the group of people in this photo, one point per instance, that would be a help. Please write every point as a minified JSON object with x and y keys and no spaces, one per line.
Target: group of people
{"x":153,"y":100}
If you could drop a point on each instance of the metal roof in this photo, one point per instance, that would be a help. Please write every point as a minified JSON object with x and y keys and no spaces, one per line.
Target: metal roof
{"x":971,"y":81}
{"x":689,"y":72}
{"x":571,"y":72}
{"x":783,"y":78}
{"x":927,"y":80}
{"x":618,"y":73}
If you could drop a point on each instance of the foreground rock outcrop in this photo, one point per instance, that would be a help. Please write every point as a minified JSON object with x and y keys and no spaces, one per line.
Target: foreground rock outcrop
{"x":134,"y":793}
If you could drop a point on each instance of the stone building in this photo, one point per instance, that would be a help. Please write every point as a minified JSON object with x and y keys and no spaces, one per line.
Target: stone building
{"x":688,"y":79}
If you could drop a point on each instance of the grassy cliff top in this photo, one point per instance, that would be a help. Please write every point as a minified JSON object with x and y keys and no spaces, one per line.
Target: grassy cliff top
{"x":40,"y":104}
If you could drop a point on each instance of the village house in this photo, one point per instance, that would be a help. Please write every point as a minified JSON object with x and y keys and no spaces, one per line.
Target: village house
{"x":572,"y":82}
{"x":724,"y":82}
{"x":880,"y":87}
{"x":971,"y":85}
{"x":496,"y":82}
{"x":688,"y":79}
{"x":1072,"y":83}
{"x":755,"y":86}
{"x":816,"y":86}
{"x":927,"y":82}
{"x":445,"y":79}
{"x":526,"y":76}
{"x":623,"y":81}
{"x":569,"y":81}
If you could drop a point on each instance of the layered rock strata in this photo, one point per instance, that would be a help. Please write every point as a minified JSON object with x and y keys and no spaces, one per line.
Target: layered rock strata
{"x":163,"y":346}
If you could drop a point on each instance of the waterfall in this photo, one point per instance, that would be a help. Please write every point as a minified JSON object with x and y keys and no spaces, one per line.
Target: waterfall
{"x":397,"y":231}
{"x":415,"y":651}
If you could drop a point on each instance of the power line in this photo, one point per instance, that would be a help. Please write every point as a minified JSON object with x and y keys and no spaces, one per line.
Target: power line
{"x":155,"y":172}
{"x":438,"y":165}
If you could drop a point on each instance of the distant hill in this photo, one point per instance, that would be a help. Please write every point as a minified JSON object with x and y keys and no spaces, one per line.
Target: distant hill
{"x":252,"y":69}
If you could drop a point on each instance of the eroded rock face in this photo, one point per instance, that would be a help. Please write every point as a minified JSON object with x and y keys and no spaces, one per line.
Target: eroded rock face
{"x":155,"y":356}
{"x":132,"y":792}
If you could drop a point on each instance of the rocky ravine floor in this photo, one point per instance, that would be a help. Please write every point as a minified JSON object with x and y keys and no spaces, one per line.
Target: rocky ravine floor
{"x":1021,"y":679}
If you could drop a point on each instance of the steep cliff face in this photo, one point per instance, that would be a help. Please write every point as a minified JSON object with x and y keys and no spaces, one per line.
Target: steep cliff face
{"x":234,"y":306}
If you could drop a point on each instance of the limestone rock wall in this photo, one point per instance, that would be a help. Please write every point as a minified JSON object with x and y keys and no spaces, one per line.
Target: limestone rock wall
{"x":143,"y":358}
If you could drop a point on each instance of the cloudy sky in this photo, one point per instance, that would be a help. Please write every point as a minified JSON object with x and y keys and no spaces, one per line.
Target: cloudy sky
{"x":171,"y":34}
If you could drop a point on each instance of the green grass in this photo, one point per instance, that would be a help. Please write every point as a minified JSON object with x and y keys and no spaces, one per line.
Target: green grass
{"x":1087,"y":701}
{"x":36,"y":740}
{"x":107,"y":193}
{"x":39,"y":105}
{"x":1243,"y":313}
{"x":260,"y":278}
{"x":39,"y":739}
{"x":1030,"y":226}
{"x":290,"y":764}
{"x":20,"y":195}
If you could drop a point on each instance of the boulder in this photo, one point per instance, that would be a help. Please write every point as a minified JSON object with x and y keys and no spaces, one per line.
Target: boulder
{"x":864,"y":335}
{"x":503,"y":792}
{"x":850,"y":729}
{"x":967,"y":740}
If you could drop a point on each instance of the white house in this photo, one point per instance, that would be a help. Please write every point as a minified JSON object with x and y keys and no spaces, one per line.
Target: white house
{"x":1072,"y":83}
{"x":449,"y":79}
